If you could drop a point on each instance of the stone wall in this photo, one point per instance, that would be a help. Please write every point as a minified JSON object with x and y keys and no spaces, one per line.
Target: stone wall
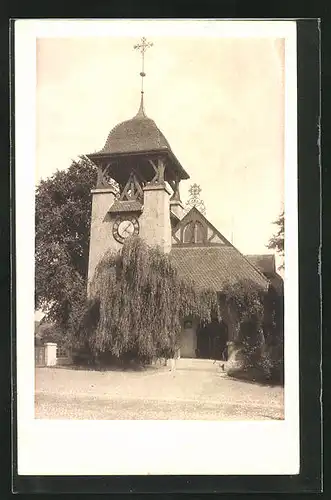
{"x":155,"y":226}
{"x":101,"y":237}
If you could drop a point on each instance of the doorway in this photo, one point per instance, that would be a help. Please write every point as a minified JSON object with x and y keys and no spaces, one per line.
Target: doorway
{"x":212,"y":340}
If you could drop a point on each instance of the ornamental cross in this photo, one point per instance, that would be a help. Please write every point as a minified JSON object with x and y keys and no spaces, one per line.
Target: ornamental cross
{"x":142,"y":47}
{"x":195,"y":191}
{"x":194,"y":199}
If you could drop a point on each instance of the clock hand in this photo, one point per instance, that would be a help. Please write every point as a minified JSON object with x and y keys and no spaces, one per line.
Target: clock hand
{"x":126,"y":227}
{"x":126,"y":230}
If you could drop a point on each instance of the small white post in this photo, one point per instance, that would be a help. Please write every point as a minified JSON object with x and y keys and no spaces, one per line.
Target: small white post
{"x":172,"y":365}
{"x":50,"y":354}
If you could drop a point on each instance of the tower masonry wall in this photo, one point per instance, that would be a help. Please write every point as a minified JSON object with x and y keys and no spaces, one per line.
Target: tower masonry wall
{"x":155,"y":225}
{"x":177,"y":209}
{"x":101,"y":237}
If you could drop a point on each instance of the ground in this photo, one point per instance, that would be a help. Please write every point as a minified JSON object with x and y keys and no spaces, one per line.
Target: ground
{"x":196,"y":390}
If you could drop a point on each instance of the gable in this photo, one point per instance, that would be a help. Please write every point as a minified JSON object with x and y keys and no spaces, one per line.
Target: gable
{"x":194,"y":229}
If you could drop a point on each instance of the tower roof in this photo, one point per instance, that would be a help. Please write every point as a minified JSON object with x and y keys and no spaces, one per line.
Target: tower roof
{"x":139,"y":134}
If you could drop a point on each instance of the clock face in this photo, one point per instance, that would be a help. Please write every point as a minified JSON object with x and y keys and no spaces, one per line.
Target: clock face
{"x":125,"y":227}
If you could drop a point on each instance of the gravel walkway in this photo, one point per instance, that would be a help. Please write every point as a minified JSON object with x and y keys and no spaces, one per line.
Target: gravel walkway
{"x":187,"y":394}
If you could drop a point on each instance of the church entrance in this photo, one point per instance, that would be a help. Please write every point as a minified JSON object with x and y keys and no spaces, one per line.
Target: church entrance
{"x":211,"y":340}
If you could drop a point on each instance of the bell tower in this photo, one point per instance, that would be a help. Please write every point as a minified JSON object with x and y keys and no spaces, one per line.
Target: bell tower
{"x":137,"y":189}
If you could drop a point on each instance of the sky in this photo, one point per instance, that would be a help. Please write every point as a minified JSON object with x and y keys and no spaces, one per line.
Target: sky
{"x":218,"y":101}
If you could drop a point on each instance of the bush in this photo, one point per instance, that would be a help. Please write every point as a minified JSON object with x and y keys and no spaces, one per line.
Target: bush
{"x":271,"y":362}
{"x":260,"y":363}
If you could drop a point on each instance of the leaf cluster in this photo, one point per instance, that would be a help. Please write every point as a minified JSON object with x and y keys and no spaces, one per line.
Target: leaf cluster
{"x":276,"y":242}
{"x":62,"y":228}
{"x":246,"y":299}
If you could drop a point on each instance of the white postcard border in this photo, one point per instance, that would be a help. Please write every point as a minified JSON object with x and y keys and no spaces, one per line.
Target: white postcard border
{"x":147,"y":447}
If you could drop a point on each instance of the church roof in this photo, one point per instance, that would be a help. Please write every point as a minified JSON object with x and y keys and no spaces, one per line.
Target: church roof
{"x":266,"y":263}
{"x":215,"y":266}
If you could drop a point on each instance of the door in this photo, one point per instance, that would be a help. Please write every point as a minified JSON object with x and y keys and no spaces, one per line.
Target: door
{"x":188,"y":343}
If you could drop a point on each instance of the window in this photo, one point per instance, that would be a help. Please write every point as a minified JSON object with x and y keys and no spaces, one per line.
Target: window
{"x":199,"y":233}
{"x":194,"y":232}
{"x":188,"y":234}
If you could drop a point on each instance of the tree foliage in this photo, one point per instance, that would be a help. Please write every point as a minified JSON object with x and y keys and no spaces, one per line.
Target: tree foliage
{"x":276,"y":242}
{"x":257,"y":354}
{"x":49,"y":332}
{"x":62,"y":228}
{"x":247,"y":300}
{"x":137,"y":304}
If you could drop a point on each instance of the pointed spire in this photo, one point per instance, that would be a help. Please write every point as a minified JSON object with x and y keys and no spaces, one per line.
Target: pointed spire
{"x":141,"y":111}
{"x":142,"y":47}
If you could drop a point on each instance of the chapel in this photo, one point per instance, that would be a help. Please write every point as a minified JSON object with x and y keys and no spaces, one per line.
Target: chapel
{"x":138,"y":193}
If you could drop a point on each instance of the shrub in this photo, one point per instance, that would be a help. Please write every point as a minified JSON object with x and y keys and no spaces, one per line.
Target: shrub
{"x":261,"y":363}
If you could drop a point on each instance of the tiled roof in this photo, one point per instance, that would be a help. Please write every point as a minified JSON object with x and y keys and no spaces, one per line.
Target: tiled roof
{"x":266,"y":263}
{"x":126,"y":206}
{"x":139,"y":135}
{"x":136,"y":135}
{"x":213,"y":267}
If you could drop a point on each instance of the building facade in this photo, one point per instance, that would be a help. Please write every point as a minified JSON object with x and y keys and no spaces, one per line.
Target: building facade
{"x":138,"y":193}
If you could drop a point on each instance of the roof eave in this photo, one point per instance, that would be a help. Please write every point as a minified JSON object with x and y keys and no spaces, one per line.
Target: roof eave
{"x":102,"y":155}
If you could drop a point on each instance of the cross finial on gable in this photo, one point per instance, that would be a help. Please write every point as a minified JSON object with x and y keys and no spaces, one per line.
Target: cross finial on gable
{"x":194,"y":199}
{"x":195,"y":190}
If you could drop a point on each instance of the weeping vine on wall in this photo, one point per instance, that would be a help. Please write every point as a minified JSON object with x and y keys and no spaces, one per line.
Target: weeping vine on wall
{"x":137,"y":302}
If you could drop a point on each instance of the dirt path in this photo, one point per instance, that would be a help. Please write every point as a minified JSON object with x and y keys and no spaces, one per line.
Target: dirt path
{"x":204,"y":394}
